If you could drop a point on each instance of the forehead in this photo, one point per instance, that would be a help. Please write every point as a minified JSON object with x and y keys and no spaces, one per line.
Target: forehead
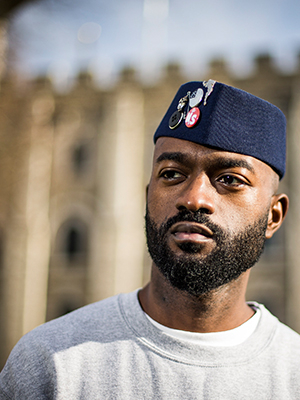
{"x":194,"y":153}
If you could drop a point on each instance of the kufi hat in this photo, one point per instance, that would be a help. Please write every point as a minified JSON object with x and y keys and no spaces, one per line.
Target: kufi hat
{"x":226,"y":118}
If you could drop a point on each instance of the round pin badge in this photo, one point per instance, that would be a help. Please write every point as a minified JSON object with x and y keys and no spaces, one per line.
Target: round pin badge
{"x":192,"y":117}
{"x":175,"y":119}
{"x":196,"y":98}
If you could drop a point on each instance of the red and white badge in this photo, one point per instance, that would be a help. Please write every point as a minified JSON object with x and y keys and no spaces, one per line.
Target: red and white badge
{"x":192,"y":117}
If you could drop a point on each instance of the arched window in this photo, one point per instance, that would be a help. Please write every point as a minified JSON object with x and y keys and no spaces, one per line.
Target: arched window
{"x":80,"y":158}
{"x":72,"y":241}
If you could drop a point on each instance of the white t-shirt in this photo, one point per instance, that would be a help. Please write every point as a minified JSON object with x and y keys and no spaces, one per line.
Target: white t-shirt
{"x":228,"y":338}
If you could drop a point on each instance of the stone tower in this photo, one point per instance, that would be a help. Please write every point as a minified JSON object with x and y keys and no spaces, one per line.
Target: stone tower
{"x":74,"y":168}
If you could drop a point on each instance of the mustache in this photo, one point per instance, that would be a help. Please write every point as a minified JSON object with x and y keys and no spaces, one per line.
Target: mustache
{"x":190,"y":216}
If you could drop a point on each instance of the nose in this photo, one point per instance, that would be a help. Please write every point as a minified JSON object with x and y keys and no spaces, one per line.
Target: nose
{"x":196,"y":195}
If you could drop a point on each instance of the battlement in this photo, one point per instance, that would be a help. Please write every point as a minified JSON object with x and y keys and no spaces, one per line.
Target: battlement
{"x":264,"y":67}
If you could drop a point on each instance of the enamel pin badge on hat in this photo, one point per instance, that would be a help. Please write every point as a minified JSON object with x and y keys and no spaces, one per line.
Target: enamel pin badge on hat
{"x":192,"y":101}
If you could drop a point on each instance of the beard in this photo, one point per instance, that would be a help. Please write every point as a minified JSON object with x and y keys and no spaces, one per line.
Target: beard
{"x":197,"y":274}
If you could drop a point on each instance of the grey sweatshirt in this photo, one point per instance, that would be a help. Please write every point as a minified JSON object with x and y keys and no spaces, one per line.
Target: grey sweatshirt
{"x":110,"y":350}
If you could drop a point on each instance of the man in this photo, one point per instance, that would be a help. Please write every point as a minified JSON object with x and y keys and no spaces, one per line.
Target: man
{"x":189,"y":334}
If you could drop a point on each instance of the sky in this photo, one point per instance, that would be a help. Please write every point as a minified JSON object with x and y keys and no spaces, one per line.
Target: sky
{"x":62,"y":37}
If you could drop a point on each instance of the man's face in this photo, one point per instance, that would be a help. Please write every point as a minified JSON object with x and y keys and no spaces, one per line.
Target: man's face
{"x":207,"y":214}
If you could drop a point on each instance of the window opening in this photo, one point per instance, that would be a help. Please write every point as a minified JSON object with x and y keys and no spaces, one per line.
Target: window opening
{"x":80,"y":158}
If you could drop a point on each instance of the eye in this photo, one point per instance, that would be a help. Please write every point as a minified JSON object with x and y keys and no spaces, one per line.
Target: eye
{"x":171,"y":175}
{"x":231,"y":180}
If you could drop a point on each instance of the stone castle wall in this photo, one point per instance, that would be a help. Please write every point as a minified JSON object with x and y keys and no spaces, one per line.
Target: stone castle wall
{"x":74,"y":168}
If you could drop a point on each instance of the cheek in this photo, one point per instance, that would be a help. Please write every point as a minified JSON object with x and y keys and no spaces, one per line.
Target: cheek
{"x":235,"y":215}
{"x":160,"y":207}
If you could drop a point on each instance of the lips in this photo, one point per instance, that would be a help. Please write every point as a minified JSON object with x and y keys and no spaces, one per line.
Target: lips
{"x":191,"y":231}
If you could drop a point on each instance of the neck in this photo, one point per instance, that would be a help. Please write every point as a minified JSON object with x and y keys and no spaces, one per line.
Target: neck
{"x":218,"y":310}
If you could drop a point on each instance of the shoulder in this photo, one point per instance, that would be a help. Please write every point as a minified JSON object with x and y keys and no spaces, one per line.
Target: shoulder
{"x":287,"y":337}
{"x":92,"y":322}
{"x":33,"y":361}
{"x":281,"y":338}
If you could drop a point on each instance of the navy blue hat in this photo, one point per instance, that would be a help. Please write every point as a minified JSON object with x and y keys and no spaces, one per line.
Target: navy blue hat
{"x":223,"y":117}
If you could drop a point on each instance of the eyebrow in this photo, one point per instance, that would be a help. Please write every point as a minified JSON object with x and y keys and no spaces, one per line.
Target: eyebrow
{"x":224,"y":163}
{"x":219,"y":163}
{"x":173,"y":156}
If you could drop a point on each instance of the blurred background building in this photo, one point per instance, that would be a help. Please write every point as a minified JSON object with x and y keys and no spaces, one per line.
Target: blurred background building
{"x":75,"y":159}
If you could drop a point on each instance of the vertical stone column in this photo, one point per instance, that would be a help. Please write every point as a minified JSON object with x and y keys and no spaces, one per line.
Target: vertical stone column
{"x":129,"y":193}
{"x":27,"y":246}
{"x":117,"y":247}
{"x":100,"y":280}
{"x":293,"y":218}
{"x":13,"y":278}
{"x":37,"y":214}
{"x":3,"y":47}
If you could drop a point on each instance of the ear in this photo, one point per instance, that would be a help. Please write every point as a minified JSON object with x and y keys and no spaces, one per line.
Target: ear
{"x":278,"y":210}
